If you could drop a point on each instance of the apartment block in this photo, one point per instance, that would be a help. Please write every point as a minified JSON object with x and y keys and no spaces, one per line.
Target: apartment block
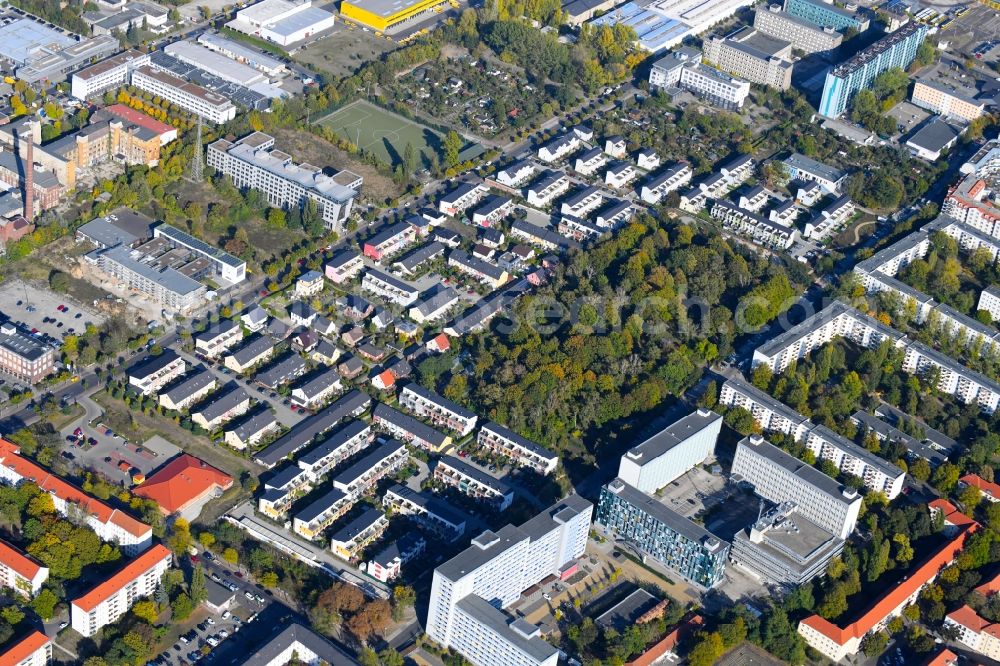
{"x":218,"y":338}
{"x":253,"y":162}
{"x":473,"y":482}
{"x":516,"y":174}
{"x":974,"y":200}
{"x":770,"y":414}
{"x":211,"y":106}
{"x":671,"y":452}
{"x":548,"y":188}
{"x":430,"y":512}
{"x":437,"y":409}
{"x":827,"y":222}
{"x":522,"y":451}
{"x":343,"y":266}
{"x":974,"y":631}
{"x":389,"y":288}
{"x":19,"y":572}
{"x":948,"y":96}
{"x":498,"y":567}
{"x":387,"y":564}
{"x":989,"y":300}
{"x":897,"y":49}
{"x":778,"y":477}
{"x":168,"y":287}
{"x":752,"y":55}
{"x":409,"y":429}
{"x":281,"y":490}
{"x":24,"y":357}
{"x":111,"y":599}
{"x":827,"y":15}
{"x":560,"y":147}
{"x":590,"y":161}
{"x":352,"y":538}
{"x":153,"y":373}
{"x":583,"y":202}
{"x":390,"y":240}
{"x":222,"y":264}
{"x":804,"y":35}
{"x":463,"y":197}
{"x":807,"y":170}
{"x":628,"y":514}
{"x":683,"y":69}
{"x":35,"y":649}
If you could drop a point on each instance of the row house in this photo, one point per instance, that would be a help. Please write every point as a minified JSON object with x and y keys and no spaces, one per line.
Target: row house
{"x":432,"y":307}
{"x":548,"y":188}
{"x":590,"y":162}
{"x":493,"y":209}
{"x":473,"y":482}
{"x":255,"y":351}
{"x":615,"y":216}
{"x":542,"y":237}
{"x":281,"y":490}
{"x":282,"y":371}
{"x":389,"y":241}
{"x":647,"y":159}
{"x":484,"y":271}
{"x":579,"y":230}
{"x":620,"y":174}
{"x":693,"y":200}
{"x":222,"y":409}
{"x":582,"y":203}
{"x":250,"y":431}
{"x":189,"y":390}
{"x":785,"y":213}
{"x":516,"y":174}
{"x":754,"y":199}
{"x":437,"y":409}
{"x":352,"y":538}
{"x":218,"y":338}
{"x":344,"y":266}
{"x":831,"y":219}
{"x":341,"y":445}
{"x":411,"y":263}
{"x":560,"y":147}
{"x":807,"y":192}
{"x":616,"y":146}
{"x":387,"y":564}
{"x":655,"y":190}
{"x":384,"y":459}
{"x":463,"y":197}
{"x":524,"y":452}
{"x":317,"y":389}
{"x":389,"y":288}
{"x":430,"y":512}
{"x":153,"y":373}
{"x":313,"y":519}
{"x":409,"y":429}
{"x":755,"y":227}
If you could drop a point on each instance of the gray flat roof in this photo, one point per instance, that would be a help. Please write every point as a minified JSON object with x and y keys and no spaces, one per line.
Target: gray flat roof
{"x":510,"y":630}
{"x":199,"y":246}
{"x":170,"y":279}
{"x":559,"y":513}
{"x":811,"y":166}
{"x":934,"y":136}
{"x":673,"y":435}
{"x":797,"y":542}
{"x":776,"y":406}
{"x":484,"y":548}
{"x":102,"y":232}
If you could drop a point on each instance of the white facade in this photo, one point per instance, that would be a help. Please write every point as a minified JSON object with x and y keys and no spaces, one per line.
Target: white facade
{"x":671,"y":452}
{"x":108,"y":74}
{"x":389,"y":288}
{"x":438,"y":410}
{"x":281,"y":21}
{"x":191,"y":97}
{"x":989,"y":300}
{"x":658,"y":187}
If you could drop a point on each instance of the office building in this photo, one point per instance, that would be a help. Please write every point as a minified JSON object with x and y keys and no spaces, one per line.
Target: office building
{"x":107,"y":602}
{"x":522,"y":451}
{"x":897,"y":49}
{"x":191,"y":97}
{"x":827,"y":15}
{"x":109,"y":74}
{"x":52,"y":62}
{"x":19,"y":572}
{"x":23,"y":356}
{"x":498,"y":567}
{"x":778,"y":477}
{"x":214,"y":63}
{"x":785,"y":548}
{"x":643,"y":522}
{"x":254,"y":162}
{"x":283,"y":22}
{"x":752,"y":55}
{"x":437,"y":409}
{"x":35,"y":649}
{"x":804,"y":35}
{"x":671,"y":452}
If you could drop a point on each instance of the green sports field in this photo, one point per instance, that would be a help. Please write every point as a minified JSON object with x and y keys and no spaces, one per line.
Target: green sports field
{"x":386,"y":134}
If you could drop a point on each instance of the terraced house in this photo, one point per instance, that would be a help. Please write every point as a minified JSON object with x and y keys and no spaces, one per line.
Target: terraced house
{"x":437,"y":409}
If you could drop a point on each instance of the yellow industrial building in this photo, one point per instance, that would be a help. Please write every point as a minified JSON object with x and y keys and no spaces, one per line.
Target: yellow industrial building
{"x":380,"y":15}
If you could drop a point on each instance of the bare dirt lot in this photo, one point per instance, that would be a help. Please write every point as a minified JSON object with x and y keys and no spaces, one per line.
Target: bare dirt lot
{"x":343,"y":51}
{"x":314,"y":150}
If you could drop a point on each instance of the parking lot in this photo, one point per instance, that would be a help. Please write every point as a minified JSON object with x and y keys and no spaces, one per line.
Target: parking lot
{"x":114,"y":457}
{"x":44,"y":311}
{"x":908,"y":116}
{"x":968,"y":32}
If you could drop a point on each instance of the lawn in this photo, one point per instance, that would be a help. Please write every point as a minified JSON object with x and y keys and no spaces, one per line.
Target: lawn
{"x":382,"y":132}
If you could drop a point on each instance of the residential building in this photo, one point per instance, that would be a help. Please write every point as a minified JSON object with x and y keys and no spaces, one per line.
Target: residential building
{"x":389,"y":241}
{"x":493,"y":209}
{"x":437,"y":409}
{"x":827,"y":222}
{"x":254,"y":163}
{"x":430,"y":512}
{"x":973,"y":201}
{"x":590,"y":161}
{"x":770,"y":414}
{"x":111,"y":599}
{"x":282,"y":371}
{"x":255,"y":319}
{"x":752,"y":55}
{"x":19,"y":572}
{"x":746,"y":223}
{"x":989,"y":300}
{"x":990,"y":491}
{"x":218,"y":338}
{"x":974,"y":631}
{"x":352,"y":538}
{"x":35,"y":649}
{"x":807,"y":170}
{"x":108,"y":74}
{"x":317,"y":389}
{"x":656,"y":189}
{"x":189,"y":390}
{"x":298,"y":643}
{"x":671,"y":452}
{"x":250,"y":431}
{"x":488,"y":273}
{"x":683,"y":546}
{"x":464,"y":196}
{"x":897,"y":49}
{"x":412,"y":262}
{"x":154,"y":372}
{"x":256,"y":350}
{"x":516,"y":174}
{"x":522,"y":451}
{"x":838,"y":641}
{"x":683,"y":69}
{"x":344,"y":266}
{"x":349,"y":440}
{"x":389,"y":288}
{"x":950,"y":95}
{"x":111,"y":525}
{"x":778,"y":477}
{"x":827,"y":15}
{"x":211,"y":106}
{"x":281,"y":490}
{"x":620,"y":174}
{"x":222,"y":408}
{"x":309,"y":284}
{"x":435,"y":305}
{"x":223,"y":265}
{"x":387,"y":564}
{"x":23,"y":356}
{"x":785,"y":548}
{"x":498,"y":567}
{"x":804,"y":35}
{"x":933,"y":446}
{"x":283,"y":22}
{"x":183,"y":485}
{"x":582,"y":202}
{"x":548,"y":188}
{"x":559,"y":147}
{"x":473,"y":482}
{"x":167,"y":287}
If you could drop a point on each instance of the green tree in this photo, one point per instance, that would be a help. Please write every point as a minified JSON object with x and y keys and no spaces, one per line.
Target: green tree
{"x":451,"y":148}
{"x":182,"y":607}
{"x":199,"y":588}
{"x":45,"y":603}
{"x":146,"y":610}
{"x":230,"y":555}
{"x":874,"y":643}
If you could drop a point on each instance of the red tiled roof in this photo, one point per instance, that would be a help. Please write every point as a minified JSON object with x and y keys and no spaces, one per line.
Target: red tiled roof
{"x":387,"y":378}
{"x":943,"y":658}
{"x":904,"y":589}
{"x":988,"y":488}
{"x":139,"y":118}
{"x":183,"y":480}
{"x":989,"y":587}
{"x":668,"y":643}
{"x":18,"y":561}
{"x":130,"y":572}
{"x":952,"y":516}
{"x":23,"y":648}
{"x":442,"y":342}
{"x":968,"y":618}
{"x":10,"y":457}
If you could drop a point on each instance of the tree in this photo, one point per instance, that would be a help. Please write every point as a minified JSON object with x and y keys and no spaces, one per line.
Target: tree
{"x":874,"y":643}
{"x":945,"y":477}
{"x":269,"y":579}
{"x":199,"y":588}
{"x":920,"y":469}
{"x":206,"y":539}
{"x":970,"y":498}
{"x":12,"y":614}
{"x":904,"y":551}
{"x":230,"y":555}
{"x":707,"y":650}
{"x":182,"y":607}
{"x":146,"y":610}
{"x":276,"y":218}
{"x":59,"y":281}
{"x":452,"y":147}
{"x":409,"y":159}
{"x":45,"y":604}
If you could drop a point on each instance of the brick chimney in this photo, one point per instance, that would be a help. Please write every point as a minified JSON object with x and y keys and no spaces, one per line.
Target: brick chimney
{"x":29,"y":175}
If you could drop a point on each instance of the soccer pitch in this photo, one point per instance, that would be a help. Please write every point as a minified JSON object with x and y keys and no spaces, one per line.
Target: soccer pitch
{"x":382,"y":132}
